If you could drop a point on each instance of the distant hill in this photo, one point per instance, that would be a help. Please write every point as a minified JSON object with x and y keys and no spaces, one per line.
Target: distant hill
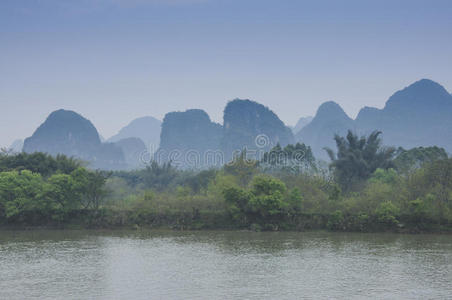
{"x":66,"y":132}
{"x":418,"y":115}
{"x":329,"y":120}
{"x":191,"y":135}
{"x":135,"y":152}
{"x":17,"y":146}
{"x":186,"y":137}
{"x":252,"y":125}
{"x":146,"y":128}
{"x":302,"y":122}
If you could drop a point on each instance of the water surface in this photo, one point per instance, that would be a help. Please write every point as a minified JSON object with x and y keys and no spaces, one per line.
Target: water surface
{"x":223,"y":265}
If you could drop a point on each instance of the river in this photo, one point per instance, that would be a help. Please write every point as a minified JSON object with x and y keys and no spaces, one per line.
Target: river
{"x":72,"y":264}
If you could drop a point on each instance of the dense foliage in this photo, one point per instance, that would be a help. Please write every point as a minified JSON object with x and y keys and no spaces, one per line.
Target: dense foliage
{"x":46,"y":188}
{"x":358,"y":157}
{"x":41,"y":163}
{"x":296,"y":158}
{"x":365,"y":188}
{"x":409,"y":160}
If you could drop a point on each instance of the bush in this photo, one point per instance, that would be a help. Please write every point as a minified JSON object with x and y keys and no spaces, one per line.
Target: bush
{"x":336,"y":221}
{"x":387,"y":214}
{"x":266,"y":202}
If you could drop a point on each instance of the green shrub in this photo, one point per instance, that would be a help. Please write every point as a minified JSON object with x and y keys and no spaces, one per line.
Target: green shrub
{"x":387,"y":213}
{"x":336,"y":221}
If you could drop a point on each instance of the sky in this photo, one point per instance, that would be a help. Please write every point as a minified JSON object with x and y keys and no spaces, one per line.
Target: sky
{"x":115,"y":60}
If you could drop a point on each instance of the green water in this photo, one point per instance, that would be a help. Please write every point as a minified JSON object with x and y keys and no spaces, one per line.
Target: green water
{"x":223,"y":265}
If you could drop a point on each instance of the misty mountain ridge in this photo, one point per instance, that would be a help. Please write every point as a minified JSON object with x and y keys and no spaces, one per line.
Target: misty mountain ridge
{"x":418,"y":115}
{"x":145,"y":128}
{"x":190,"y":139}
{"x":301,"y":123}
{"x":16,"y":146}
{"x":244,"y":121}
{"x":329,"y":120}
{"x":136,"y":154}
{"x":186,"y":136}
{"x":67,"y":132}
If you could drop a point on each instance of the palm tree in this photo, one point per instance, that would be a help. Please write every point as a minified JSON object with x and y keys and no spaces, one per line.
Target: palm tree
{"x":358,"y":157}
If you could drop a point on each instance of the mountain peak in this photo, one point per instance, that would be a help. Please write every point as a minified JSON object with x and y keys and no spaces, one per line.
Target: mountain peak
{"x":190,"y":115}
{"x":61,"y":123}
{"x":244,"y":113}
{"x":330,"y":109}
{"x":425,"y":93}
{"x":367,"y":112}
{"x":426,"y":87}
{"x":67,"y":132}
{"x":426,"y":83}
{"x":146,"y":128}
{"x":186,"y":136}
{"x":246,"y":106}
{"x":329,"y":120}
{"x":144,"y":120}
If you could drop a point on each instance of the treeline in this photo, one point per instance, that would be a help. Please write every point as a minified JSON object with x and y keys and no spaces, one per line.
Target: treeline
{"x":38,"y":188}
{"x":365,"y":187}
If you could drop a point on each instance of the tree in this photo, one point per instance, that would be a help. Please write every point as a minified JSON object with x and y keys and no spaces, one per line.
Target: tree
{"x":154,"y":176}
{"x":294,"y":158}
{"x":200,"y":181}
{"x":266,"y":202}
{"x":357,"y":158}
{"x":268,"y":196}
{"x":432,"y":185}
{"x":91,"y":186}
{"x":158,"y":177}
{"x":242,"y":167}
{"x":388,"y":176}
{"x":407,"y":161}
{"x":38,"y":162}
{"x":20,"y":192}
{"x":237,"y":200}
{"x":62,"y":189}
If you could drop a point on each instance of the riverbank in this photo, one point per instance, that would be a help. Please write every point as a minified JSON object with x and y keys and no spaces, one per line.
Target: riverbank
{"x":37,"y":190}
{"x":222,"y":220}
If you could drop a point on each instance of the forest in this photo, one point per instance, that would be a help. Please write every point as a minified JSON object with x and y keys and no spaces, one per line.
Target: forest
{"x":364,"y":187}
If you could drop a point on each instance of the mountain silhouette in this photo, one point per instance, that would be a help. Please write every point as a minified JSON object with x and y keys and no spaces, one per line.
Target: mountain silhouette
{"x":135,"y":152}
{"x":329,"y":120}
{"x":187,"y":137}
{"x":302,"y":122}
{"x":17,"y":146}
{"x":252,"y":125}
{"x":418,"y":115}
{"x":66,"y":132}
{"x":145,"y":128}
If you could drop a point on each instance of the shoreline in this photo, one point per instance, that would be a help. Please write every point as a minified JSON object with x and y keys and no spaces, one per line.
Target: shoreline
{"x":145,"y":228}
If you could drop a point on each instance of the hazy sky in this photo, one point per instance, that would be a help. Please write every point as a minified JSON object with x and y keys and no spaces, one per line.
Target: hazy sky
{"x":115,"y":60}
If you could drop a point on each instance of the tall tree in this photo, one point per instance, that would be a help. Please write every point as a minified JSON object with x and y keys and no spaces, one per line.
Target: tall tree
{"x":242,"y":167}
{"x":358,"y":157}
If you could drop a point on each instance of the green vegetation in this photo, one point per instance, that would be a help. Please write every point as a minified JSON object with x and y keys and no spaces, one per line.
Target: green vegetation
{"x":409,"y":160}
{"x":37,"y":188}
{"x":296,"y":158}
{"x":365,"y":188}
{"x":358,"y":158}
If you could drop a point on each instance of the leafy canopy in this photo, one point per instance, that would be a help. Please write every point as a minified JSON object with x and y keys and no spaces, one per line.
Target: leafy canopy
{"x":357,"y":158}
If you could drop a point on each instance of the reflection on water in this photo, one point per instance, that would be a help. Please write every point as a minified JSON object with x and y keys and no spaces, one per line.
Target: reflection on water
{"x":218,"y":265}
